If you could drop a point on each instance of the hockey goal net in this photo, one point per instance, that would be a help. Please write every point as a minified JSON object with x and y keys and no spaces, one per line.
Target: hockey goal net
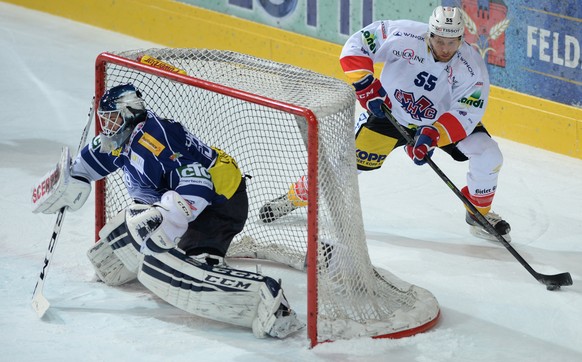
{"x":279,"y":122}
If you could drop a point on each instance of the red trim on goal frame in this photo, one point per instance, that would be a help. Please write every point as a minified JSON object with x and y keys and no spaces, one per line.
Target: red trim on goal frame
{"x":312,"y":156}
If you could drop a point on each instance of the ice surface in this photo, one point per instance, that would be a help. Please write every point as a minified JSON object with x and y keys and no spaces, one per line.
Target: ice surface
{"x":492,"y":309}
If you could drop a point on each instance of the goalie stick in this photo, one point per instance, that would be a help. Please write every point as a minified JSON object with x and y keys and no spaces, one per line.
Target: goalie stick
{"x":39,"y":303}
{"x":552,"y":282}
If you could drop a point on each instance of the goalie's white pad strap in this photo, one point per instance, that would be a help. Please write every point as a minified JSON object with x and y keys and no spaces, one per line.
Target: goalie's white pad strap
{"x":57,"y":189}
{"x":108,"y":267}
{"x":117,"y":236}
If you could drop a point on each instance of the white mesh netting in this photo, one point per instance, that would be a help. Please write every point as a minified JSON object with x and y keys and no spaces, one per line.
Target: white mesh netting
{"x":271,"y":146}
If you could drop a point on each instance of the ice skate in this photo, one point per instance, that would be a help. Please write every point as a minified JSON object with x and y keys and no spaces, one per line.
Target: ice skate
{"x":295,"y":198}
{"x":495,"y":220}
{"x":276,"y":209}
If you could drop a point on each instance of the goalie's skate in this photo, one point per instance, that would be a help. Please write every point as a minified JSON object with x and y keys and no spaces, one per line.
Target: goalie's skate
{"x":275,"y":209}
{"x":495,"y":220}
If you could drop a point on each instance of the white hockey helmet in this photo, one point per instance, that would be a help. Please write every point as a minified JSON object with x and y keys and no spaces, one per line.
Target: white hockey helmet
{"x":446,"y":22}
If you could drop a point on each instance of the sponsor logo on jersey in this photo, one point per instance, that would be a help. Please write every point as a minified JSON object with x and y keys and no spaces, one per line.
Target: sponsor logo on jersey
{"x":370,"y":39}
{"x":408,"y":55}
{"x":175,"y":156}
{"x":137,"y":161}
{"x":383,"y":28}
{"x":474,"y":100}
{"x":415,"y":36}
{"x":150,"y":143}
{"x":466,"y":63}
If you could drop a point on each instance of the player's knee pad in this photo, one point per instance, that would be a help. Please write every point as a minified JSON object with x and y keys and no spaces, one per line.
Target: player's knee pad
{"x":108,"y":267}
{"x":372,"y":148}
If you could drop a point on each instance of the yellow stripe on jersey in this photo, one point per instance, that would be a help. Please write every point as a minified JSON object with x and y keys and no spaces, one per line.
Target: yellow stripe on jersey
{"x":152,"y":144}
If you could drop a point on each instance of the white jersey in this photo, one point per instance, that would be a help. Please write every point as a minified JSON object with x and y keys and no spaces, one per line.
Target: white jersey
{"x":422,"y":90}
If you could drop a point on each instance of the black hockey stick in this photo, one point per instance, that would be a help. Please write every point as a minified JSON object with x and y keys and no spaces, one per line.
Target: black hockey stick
{"x":552,"y":282}
{"x":39,"y":303}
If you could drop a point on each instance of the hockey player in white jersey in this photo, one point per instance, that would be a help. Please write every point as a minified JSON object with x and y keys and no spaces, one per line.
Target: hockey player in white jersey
{"x":437,"y":86}
{"x":190,"y":202}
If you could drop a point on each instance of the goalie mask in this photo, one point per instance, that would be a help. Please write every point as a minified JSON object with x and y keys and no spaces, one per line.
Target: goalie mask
{"x":120,"y":109}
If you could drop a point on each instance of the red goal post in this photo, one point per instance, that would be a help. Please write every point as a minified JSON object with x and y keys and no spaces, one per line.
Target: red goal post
{"x":279,"y":122}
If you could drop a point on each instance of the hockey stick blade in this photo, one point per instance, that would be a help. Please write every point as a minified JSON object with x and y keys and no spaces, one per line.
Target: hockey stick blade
{"x":552,"y":282}
{"x":40,"y":304}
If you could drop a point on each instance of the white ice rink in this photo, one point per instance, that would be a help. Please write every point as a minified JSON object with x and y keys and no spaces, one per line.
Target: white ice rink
{"x":492,"y":308}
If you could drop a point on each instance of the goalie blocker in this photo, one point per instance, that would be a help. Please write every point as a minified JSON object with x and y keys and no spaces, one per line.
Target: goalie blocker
{"x":202,"y":285}
{"x":58,"y":189}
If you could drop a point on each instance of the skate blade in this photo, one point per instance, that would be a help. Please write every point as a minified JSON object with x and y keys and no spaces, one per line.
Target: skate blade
{"x":482,"y":234}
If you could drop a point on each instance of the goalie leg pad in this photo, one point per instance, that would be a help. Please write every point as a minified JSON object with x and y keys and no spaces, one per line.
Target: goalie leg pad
{"x":215,"y":292}
{"x":108,"y":266}
{"x":274,"y":316}
{"x":116,"y":234}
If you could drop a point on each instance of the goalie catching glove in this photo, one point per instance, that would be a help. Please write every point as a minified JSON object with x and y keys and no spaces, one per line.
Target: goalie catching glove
{"x":159,"y":227}
{"x":58,"y":188}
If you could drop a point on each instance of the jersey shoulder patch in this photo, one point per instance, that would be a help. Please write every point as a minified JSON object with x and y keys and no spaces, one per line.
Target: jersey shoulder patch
{"x":150,"y":143}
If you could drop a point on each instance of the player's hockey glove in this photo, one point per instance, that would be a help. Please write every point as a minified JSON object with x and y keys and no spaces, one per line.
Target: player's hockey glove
{"x":372,"y":95}
{"x":425,"y":141}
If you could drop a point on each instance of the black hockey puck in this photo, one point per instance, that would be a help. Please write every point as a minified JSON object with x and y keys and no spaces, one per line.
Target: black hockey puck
{"x":552,"y":287}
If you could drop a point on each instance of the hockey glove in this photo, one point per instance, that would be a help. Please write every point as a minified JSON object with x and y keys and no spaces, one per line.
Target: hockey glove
{"x":158,"y":228}
{"x":425,"y":141}
{"x":59,"y":188}
{"x":372,"y":95}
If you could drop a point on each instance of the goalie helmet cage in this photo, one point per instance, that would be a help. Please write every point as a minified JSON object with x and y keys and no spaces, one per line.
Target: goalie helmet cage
{"x":279,"y":122}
